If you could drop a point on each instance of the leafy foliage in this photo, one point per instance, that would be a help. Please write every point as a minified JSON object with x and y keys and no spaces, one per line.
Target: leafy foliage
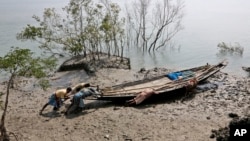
{"x":20,"y":62}
{"x":90,"y":27}
{"x":86,"y":28}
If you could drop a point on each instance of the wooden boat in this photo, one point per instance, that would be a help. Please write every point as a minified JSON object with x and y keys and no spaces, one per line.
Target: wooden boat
{"x":161,"y":84}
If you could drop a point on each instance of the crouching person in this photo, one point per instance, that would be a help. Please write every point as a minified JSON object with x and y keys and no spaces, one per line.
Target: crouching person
{"x":77,"y":104}
{"x":55,"y":99}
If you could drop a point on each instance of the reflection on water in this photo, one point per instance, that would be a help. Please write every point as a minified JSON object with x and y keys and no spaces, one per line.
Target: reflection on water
{"x":206,"y":23}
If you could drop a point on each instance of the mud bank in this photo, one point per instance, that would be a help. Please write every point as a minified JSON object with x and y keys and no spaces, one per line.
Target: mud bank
{"x":190,"y":118}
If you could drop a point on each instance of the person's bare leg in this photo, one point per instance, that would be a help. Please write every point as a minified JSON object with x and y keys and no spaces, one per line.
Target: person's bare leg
{"x":66,"y":112}
{"x":43,"y":108}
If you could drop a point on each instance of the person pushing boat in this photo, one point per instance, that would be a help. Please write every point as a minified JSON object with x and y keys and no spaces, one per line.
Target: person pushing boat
{"x":80,"y":86}
{"x":77,"y":104}
{"x":56,"y":99}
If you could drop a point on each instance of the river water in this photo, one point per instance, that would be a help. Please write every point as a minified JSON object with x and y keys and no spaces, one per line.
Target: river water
{"x":206,"y":23}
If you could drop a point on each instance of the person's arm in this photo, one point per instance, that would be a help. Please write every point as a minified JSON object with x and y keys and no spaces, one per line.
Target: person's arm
{"x":66,"y":96}
{"x":72,"y":92}
{"x":93,"y":85}
{"x":66,"y":112}
{"x":90,"y":85}
{"x":86,"y":93}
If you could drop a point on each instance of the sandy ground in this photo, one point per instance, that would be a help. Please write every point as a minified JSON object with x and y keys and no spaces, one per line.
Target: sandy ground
{"x":189,"y":119}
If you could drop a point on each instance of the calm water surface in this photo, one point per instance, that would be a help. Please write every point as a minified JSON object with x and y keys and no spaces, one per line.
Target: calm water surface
{"x":206,"y":23}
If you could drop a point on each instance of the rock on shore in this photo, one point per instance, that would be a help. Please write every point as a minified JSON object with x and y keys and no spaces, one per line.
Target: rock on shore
{"x":92,"y":62}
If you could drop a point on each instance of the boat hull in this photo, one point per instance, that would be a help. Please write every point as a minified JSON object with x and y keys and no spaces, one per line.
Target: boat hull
{"x":164,"y":88}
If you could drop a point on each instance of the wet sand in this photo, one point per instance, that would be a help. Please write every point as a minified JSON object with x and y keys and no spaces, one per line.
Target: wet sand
{"x":191,"y":118}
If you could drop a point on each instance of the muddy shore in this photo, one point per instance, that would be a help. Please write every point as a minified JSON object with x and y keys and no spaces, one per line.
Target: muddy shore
{"x":191,"y":118}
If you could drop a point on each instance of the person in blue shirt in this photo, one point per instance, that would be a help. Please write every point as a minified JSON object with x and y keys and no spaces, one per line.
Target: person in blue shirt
{"x":77,"y":101}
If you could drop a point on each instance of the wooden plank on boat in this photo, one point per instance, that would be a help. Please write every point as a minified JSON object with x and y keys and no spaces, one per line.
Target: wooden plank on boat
{"x":161,"y":84}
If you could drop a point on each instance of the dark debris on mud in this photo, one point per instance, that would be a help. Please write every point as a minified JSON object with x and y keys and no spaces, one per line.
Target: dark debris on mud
{"x":223,"y":134}
{"x":92,"y":62}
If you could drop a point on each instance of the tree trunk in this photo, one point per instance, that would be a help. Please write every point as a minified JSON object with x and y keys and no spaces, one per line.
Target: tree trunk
{"x":4,"y":136}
